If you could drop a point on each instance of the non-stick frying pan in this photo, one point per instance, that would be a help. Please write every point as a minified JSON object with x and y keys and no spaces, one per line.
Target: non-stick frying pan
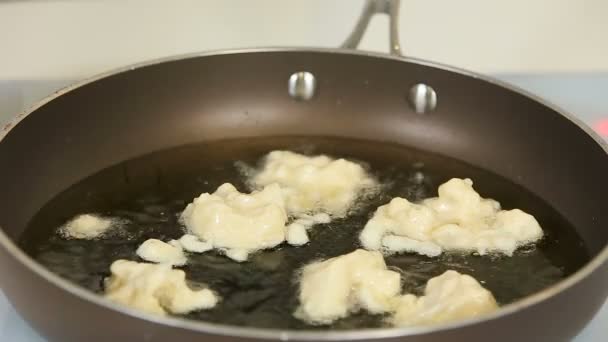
{"x":300,"y":92}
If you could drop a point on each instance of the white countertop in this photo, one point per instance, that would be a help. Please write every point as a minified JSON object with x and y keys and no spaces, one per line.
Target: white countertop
{"x":584,"y":95}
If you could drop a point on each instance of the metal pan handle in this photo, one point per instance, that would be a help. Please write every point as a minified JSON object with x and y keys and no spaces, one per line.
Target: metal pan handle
{"x":372,"y":7}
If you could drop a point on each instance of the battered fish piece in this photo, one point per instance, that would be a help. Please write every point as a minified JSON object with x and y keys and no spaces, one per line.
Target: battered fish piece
{"x":237,"y":223}
{"x":458,"y":220}
{"x":155,"y":288}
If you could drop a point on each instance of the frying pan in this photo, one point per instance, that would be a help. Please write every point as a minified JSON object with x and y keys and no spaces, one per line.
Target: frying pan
{"x":306,"y":92}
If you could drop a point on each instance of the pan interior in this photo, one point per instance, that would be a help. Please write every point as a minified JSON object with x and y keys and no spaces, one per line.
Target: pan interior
{"x":151,"y":191}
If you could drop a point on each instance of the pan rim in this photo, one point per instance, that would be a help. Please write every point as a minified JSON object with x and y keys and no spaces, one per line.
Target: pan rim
{"x":308,"y":335}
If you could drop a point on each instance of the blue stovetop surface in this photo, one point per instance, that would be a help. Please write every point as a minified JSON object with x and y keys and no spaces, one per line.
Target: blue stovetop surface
{"x":584,"y":95}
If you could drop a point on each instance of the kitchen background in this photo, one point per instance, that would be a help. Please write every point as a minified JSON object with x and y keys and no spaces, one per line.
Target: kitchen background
{"x":68,"y":39}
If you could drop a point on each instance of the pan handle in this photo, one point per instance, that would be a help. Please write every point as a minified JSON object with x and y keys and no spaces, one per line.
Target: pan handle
{"x":372,"y":7}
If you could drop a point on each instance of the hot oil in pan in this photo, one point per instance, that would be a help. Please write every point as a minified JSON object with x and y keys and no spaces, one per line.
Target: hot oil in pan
{"x":150,"y":192}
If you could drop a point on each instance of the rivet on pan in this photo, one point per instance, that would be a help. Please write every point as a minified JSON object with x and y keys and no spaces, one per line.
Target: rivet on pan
{"x":422,"y":98}
{"x":302,"y":85}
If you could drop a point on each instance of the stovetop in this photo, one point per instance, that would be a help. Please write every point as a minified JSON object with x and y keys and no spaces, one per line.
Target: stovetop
{"x":582,"y":94}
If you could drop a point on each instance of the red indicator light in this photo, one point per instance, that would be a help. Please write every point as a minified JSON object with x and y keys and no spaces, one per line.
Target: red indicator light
{"x":602,"y":127}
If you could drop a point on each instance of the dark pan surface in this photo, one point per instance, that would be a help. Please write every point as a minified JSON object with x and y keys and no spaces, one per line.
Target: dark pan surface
{"x":149,"y":193}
